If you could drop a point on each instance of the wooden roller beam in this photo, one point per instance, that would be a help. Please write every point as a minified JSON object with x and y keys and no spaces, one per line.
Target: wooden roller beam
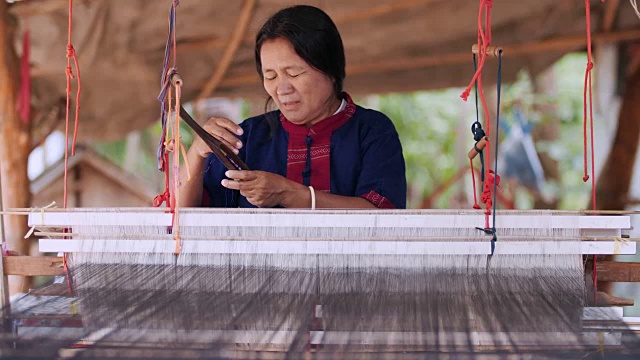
{"x":33,"y":265}
{"x":52,"y":266}
{"x":613,"y":271}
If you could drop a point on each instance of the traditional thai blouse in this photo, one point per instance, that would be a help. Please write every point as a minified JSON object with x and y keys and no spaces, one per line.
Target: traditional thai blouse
{"x":355,"y":152}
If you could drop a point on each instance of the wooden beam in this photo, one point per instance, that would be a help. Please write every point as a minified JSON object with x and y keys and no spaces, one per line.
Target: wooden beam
{"x":232,"y":48}
{"x":39,"y":7}
{"x":365,"y":14}
{"x":33,"y":265}
{"x":618,"y":271}
{"x":610,"y":12}
{"x":604,"y":299}
{"x":52,"y":266}
{"x":380,"y":10}
{"x":563,"y":44}
{"x":199,"y":44}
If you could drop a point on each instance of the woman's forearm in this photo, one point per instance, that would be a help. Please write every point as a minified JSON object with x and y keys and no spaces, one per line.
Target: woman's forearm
{"x":299,"y":196}
{"x":191,"y":188}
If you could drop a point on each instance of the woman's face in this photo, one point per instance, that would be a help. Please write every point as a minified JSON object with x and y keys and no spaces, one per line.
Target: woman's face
{"x":303,"y":94}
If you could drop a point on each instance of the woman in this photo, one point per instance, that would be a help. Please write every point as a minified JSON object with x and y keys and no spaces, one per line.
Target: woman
{"x":319,"y":150}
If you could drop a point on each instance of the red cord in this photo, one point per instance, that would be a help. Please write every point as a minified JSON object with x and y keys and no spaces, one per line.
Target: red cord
{"x":593,"y":176}
{"x":588,"y":87}
{"x":490,"y":179}
{"x":484,"y":41}
{"x":66,"y":272}
{"x":166,"y":196}
{"x":71,"y":54}
{"x":585,"y":178}
{"x":587,"y":95}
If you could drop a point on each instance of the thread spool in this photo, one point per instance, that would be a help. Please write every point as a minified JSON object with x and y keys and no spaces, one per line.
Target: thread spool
{"x":491,"y":50}
{"x":480,"y":145}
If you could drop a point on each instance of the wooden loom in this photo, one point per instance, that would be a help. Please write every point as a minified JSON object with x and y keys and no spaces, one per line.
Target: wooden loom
{"x":395,"y":233}
{"x":451,"y":233}
{"x":400,"y":233}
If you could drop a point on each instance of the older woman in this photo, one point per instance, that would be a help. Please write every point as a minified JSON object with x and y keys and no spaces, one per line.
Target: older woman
{"x":319,"y":149}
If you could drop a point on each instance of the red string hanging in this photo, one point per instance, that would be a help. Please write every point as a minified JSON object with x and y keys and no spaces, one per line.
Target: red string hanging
{"x":71,"y":54}
{"x":588,"y":107}
{"x":484,"y":41}
{"x":588,"y":92}
{"x":165,"y":82}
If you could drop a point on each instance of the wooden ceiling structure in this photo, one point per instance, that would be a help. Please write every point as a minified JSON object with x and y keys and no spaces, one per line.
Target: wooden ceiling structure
{"x":391,"y":46}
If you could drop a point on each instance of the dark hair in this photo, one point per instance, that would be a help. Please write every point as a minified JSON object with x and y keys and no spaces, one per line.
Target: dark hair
{"x":314,"y":36}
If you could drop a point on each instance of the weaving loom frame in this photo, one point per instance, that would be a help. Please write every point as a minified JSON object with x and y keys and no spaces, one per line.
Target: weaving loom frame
{"x":599,"y":235}
{"x":53,"y":225}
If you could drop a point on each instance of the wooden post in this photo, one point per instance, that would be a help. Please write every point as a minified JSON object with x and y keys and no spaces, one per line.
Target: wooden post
{"x":14,"y":146}
{"x":5,"y":304}
{"x":615,"y":179}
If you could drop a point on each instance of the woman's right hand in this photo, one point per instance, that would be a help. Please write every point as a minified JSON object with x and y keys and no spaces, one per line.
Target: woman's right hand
{"x":222,"y":129}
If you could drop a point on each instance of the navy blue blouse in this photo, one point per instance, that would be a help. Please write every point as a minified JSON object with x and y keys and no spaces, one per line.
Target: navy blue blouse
{"x":366,"y":160}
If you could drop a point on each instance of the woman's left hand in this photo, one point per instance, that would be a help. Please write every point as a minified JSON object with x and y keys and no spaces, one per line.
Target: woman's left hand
{"x":261,"y":188}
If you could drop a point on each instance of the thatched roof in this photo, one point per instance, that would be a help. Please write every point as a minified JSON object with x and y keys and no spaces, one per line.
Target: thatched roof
{"x":400,"y":45}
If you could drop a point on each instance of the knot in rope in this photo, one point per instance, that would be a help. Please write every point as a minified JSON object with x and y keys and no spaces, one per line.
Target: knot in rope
{"x":166,"y":83}
{"x":69,"y":71}
{"x":164,"y":197}
{"x":585,"y":178}
{"x":491,"y":178}
{"x":465,"y":94}
{"x":589,"y":66}
{"x":477,"y":131}
{"x":486,"y":197}
{"x":488,"y":3}
{"x":71,"y":52}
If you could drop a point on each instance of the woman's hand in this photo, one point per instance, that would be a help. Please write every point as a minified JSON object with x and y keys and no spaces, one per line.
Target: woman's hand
{"x":261,"y":188}
{"x":223,"y":129}
{"x":265,"y":189}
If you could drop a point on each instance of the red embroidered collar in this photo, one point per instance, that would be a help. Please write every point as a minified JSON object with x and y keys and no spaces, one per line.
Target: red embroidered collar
{"x":327,"y":125}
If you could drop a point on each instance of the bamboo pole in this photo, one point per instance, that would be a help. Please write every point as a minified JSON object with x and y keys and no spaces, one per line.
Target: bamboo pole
{"x":232,"y":48}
